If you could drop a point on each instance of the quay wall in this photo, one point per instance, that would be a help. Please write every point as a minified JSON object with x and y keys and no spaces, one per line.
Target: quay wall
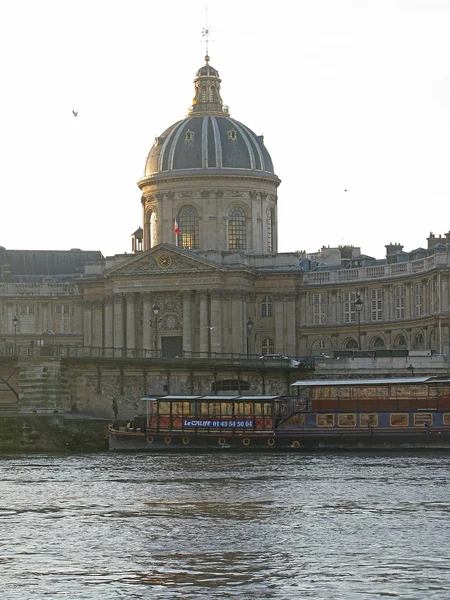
{"x":52,"y":433}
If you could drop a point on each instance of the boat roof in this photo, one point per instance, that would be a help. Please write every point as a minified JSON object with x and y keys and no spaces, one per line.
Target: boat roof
{"x":213,"y":398}
{"x":367,"y":382}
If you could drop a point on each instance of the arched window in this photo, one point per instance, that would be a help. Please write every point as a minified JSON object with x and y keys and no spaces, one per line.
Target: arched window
{"x":350,"y":344}
{"x":203,"y":94}
{"x":188,"y":228}
{"x":267,"y":346}
{"x":153,"y":231}
{"x":237,"y":229}
{"x":211,"y":93}
{"x":270,"y":229}
{"x":266,"y":306}
{"x":319,"y":345}
{"x":419,"y":342}
{"x":400,"y":343}
{"x":378,"y":342}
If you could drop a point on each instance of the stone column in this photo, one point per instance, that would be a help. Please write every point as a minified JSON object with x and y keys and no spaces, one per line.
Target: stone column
{"x":109,"y":326}
{"x":238,"y":324}
{"x":290,"y":325}
{"x":408,"y":291}
{"x":97,"y":325}
{"x":130,"y":323}
{"x":118,"y":321}
{"x":44,"y":321}
{"x":187,"y":321}
{"x":216,"y":322}
{"x":78,"y":318}
{"x":87,"y":323}
{"x":278,"y":314}
{"x":146,"y":320}
{"x":204,"y":331}
{"x":444,"y":306}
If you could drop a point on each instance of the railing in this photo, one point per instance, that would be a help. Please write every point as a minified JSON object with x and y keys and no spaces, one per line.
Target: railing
{"x":74,"y":351}
{"x":39,"y":289}
{"x":377,"y":272}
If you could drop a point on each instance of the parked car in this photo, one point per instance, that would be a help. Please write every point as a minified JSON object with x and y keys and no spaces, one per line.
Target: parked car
{"x":281,"y":358}
{"x":321,"y":355}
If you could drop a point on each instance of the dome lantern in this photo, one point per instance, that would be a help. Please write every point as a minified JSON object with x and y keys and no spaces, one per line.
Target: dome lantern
{"x":207,"y":99}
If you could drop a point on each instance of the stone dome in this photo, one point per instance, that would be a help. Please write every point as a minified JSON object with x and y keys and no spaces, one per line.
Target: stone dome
{"x":208,"y":141}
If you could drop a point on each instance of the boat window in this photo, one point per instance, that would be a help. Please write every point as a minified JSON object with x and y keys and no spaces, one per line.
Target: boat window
{"x":164,"y":408}
{"x":226,"y":409}
{"x":421,"y":418}
{"x":210,"y":409}
{"x":248,"y":409}
{"x":325,"y":420}
{"x":367,"y":419}
{"x":446,"y":419}
{"x":346,"y":420}
{"x":266,"y":408}
{"x":181,"y":408}
{"x":399,"y":419}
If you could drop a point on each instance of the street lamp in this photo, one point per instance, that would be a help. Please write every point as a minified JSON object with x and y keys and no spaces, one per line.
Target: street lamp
{"x":156,"y":308}
{"x":15,"y":321}
{"x":359,"y":306}
{"x":249,"y":326}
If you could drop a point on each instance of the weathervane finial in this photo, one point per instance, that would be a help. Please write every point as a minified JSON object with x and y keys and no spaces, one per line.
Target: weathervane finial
{"x":205,"y":33}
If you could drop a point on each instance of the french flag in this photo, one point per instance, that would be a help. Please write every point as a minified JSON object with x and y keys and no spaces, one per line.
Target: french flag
{"x":175,"y":226}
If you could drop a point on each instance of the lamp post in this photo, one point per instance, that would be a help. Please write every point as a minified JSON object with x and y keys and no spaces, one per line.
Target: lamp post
{"x":15,"y":321}
{"x":358,"y":307}
{"x":156,"y":308}
{"x":249,"y":326}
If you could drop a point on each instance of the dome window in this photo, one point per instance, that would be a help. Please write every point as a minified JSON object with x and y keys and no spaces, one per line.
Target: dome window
{"x":188,"y":135}
{"x":232,"y":135}
{"x":237,"y":230}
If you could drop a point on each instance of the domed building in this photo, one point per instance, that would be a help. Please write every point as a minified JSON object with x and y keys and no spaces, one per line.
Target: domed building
{"x":205,"y":278}
{"x":213,"y":176}
{"x":207,"y":253}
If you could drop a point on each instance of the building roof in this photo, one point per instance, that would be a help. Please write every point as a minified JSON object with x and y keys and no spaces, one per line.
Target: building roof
{"x":37,"y":264}
{"x":208,"y":139}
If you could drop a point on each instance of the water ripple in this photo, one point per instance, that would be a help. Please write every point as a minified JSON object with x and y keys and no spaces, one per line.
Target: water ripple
{"x":281,"y":527}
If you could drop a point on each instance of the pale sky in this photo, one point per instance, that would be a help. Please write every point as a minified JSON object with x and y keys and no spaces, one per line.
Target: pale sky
{"x":349,"y":94}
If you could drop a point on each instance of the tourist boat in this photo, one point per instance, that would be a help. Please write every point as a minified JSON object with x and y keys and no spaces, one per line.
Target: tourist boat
{"x":411,"y":412}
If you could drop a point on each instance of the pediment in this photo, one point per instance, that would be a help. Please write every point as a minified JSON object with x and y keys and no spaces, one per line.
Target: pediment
{"x":162,"y":259}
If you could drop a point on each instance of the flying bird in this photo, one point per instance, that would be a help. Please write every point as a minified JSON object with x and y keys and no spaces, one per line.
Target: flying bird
{"x":345,"y":190}
{"x":210,"y":327}
{"x":75,"y":114}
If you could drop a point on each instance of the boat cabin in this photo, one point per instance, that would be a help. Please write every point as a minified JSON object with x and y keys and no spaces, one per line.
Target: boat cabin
{"x":215,"y":413}
{"x":415,"y":402}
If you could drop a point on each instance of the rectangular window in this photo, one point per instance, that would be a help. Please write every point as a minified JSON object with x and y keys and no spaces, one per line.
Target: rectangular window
{"x":66,"y":309}
{"x":399,"y":302}
{"x":58,"y":309}
{"x":446,"y":419}
{"x":399,"y":420}
{"x":368,"y":419}
{"x":23,"y":309}
{"x":348,"y":302}
{"x":31,"y":309}
{"x":421,"y":418}
{"x":346,"y":420}
{"x":417,"y":299}
{"x":319,"y":309}
{"x":376,"y":305}
{"x":325,"y":420}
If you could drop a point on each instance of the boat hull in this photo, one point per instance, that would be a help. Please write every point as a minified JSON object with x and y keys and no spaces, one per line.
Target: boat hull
{"x":292,"y":442}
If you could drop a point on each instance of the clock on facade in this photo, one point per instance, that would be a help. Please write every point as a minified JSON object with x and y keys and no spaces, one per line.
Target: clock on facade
{"x":164,"y":261}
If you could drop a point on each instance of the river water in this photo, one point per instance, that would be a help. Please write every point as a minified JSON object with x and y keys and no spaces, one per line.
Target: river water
{"x":281,"y":527}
